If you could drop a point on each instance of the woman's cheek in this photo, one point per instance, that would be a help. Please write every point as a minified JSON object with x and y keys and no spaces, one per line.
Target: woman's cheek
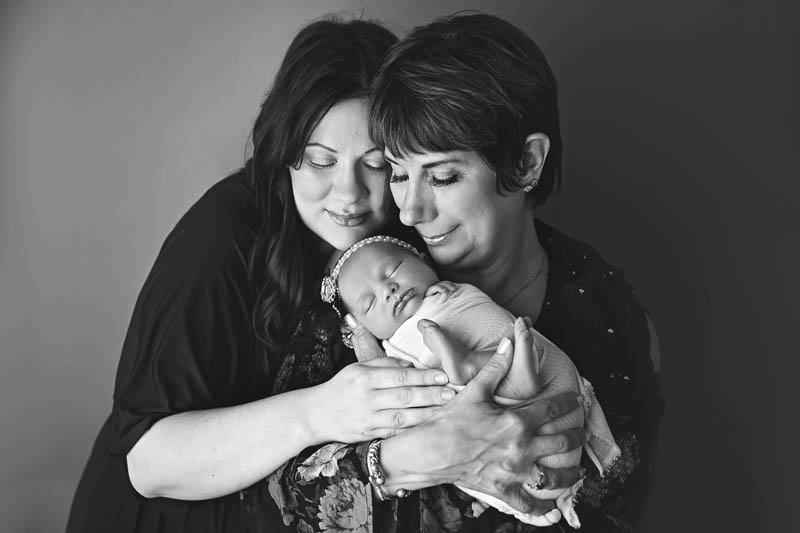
{"x":309,"y":186}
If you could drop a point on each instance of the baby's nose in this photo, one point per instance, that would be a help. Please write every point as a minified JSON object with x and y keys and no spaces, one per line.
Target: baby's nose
{"x":391,"y":290}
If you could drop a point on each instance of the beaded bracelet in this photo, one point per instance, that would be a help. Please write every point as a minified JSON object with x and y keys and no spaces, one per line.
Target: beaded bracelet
{"x":376,"y":474}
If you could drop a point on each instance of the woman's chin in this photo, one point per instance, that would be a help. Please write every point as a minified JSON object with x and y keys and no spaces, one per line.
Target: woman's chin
{"x":342,"y":240}
{"x":448,"y":256}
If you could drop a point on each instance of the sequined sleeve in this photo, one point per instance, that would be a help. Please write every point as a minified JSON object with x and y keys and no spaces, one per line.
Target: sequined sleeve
{"x":592,"y":313}
{"x":629,"y":390}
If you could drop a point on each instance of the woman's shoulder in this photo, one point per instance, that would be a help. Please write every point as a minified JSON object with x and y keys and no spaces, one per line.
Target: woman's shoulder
{"x":590,"y":310}
{"x":574,"y":262}
{"x":227,"y":207}
{"x":222,"y":223}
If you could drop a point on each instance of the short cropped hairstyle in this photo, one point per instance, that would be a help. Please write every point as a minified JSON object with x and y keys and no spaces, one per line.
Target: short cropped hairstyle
{"x":469,"y":82}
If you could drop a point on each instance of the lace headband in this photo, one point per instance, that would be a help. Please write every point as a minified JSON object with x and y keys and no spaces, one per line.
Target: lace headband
{"x":329,"y":290}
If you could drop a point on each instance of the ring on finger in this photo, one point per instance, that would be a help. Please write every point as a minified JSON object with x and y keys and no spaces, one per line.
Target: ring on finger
{"x":347,"y":339}
{"x":539,"y":480}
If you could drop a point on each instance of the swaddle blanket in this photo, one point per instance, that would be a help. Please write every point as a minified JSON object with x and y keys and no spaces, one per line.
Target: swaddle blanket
{"x":471,"y":317}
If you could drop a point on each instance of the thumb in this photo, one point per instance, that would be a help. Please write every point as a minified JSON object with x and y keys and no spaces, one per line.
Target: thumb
{"x":495,"y":370}
{"x":448,"y":352}
{"x":364,"y":343}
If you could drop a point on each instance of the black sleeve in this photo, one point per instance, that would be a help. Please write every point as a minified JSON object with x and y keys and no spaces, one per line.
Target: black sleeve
{"x":630,"y":394}
{"x":189,"y":345}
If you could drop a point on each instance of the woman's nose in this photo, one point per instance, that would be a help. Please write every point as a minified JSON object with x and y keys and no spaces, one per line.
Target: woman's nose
{"x":348,"y":185}
{"x":417,"y":205}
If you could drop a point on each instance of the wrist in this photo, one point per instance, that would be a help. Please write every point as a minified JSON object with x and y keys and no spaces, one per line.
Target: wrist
{"x":317,"y":420}
{"x":376,"y":476}
{"x":414,"y":460}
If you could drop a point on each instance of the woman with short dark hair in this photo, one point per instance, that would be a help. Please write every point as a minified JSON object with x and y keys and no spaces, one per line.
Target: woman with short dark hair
{"x":467,"y":109}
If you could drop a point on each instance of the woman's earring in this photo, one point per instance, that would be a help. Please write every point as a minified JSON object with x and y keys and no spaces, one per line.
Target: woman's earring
{"x":530,"y":186}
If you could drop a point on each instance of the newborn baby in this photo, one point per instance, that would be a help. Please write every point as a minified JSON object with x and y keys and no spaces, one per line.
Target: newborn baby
{"x":385,"y":283}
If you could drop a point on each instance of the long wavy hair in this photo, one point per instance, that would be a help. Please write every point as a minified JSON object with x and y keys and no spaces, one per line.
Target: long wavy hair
{"x":328,"y":61}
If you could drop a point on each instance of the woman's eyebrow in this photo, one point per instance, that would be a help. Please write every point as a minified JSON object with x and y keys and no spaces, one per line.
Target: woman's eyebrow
{"x":322,"y":146}
{"x":442,"y":162}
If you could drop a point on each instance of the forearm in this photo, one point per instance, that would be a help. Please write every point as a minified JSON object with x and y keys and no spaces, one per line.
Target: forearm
{"x":207,"y":454}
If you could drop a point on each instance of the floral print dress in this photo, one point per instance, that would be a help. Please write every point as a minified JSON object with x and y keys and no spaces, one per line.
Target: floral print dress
{"x":590,"y":311}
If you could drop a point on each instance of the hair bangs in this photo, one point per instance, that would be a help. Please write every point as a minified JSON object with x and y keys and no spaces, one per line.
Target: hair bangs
{"x":414,"y":124}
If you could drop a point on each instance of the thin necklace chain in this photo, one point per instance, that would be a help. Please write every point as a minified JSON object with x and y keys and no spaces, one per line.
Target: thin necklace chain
{"x":533,"y":277}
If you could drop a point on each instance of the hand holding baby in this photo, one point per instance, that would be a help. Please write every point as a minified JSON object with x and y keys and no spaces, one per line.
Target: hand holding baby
{"x":379,"y":398}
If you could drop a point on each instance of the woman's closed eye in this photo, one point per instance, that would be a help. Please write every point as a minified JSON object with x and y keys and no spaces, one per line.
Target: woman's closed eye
{"x":441,"y":180}
{"x":397,"y":178}
{"x":320,"y":163}
{"x":375,"y":166}
{"x":445,"y":179}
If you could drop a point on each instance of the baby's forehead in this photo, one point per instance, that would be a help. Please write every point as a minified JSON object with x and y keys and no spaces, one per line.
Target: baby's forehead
{"x":378,"y":250}
{"x":372,"y":253}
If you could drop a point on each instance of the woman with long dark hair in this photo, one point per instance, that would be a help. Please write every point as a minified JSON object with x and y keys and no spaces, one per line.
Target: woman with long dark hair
{"x":233,"y":387}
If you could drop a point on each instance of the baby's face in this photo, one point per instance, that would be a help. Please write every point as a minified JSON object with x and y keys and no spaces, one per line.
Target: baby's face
{"x":382,"y":285}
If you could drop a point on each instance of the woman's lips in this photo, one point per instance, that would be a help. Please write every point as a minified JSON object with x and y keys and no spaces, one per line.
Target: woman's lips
{"x":435,"y":240}
{"x":403,"y":300}
{"x":348,"y":219}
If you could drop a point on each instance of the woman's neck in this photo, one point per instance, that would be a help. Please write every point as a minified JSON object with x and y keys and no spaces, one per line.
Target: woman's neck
{"x":506,"y":278}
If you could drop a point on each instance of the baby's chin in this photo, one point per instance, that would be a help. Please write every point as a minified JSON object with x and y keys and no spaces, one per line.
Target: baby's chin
{"x":412,"y":306}
{"x":407,"y":312}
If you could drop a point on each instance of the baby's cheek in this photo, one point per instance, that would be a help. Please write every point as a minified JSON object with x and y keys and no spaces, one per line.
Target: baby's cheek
{"x":382,"y":328}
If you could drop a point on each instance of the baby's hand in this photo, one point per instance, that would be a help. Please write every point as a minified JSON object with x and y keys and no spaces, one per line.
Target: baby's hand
{"x":442,"y":288}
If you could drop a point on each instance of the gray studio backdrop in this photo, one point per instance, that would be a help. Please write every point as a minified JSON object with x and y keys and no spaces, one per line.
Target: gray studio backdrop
{"x":117,"y":115}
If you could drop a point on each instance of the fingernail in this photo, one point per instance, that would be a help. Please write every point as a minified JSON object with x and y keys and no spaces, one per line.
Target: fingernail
{"x":528,"y":321}
{"x":350,"y":320}
{"x":441,"y":378}
{"x":504,"y":345}
{"x":422,"y":324}
{"x":580,"y":399}
{"x":405,"y":363}
{"x":449,"y":394}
